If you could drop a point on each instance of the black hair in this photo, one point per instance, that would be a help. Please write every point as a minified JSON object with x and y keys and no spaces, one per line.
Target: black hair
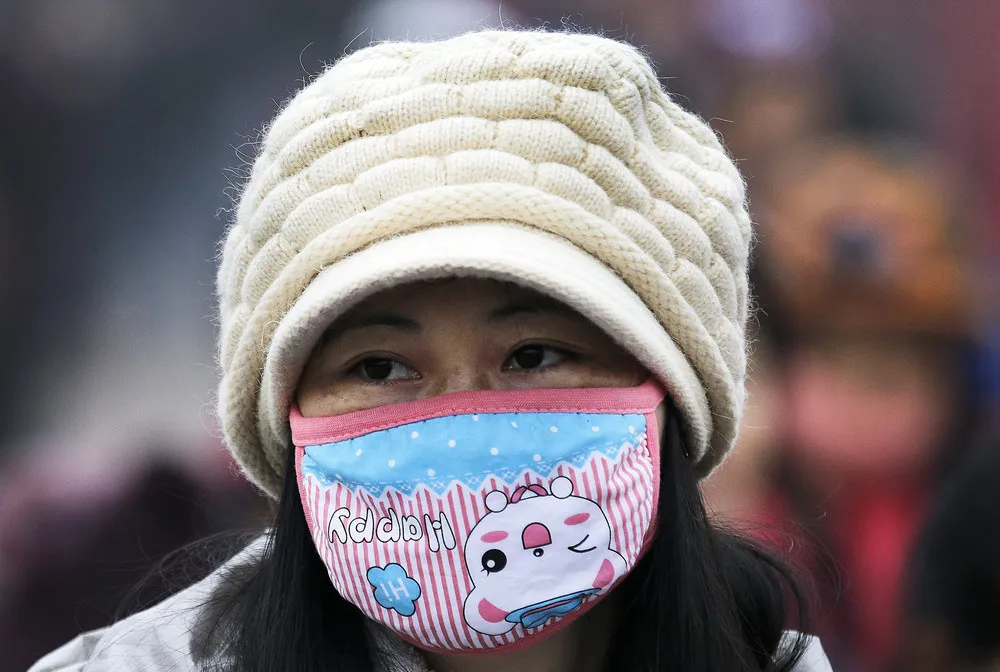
{"x":700,"y":600}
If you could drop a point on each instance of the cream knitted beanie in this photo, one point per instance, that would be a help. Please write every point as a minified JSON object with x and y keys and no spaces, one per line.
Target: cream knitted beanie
{"x":552,"y":160}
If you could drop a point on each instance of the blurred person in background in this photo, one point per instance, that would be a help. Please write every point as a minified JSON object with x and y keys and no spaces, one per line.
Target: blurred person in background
{"x":862,"y":261}
{"x":952,"y":600}
{"x":440,"y":250}
{"x":118,"y":116}
{"x":78,"y":538}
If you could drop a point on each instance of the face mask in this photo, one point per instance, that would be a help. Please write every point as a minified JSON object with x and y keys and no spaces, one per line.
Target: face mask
{"x":477,"y":520}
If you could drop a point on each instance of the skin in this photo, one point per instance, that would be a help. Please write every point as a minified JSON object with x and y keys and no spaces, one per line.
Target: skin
{"x":424,"y":339}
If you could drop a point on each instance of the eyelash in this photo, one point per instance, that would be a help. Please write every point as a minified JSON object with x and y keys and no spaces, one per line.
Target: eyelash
{"x":566,"y":355}
{"x":354,"y":369}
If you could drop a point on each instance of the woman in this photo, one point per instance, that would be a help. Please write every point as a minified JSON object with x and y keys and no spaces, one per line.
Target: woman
{"x":864,"y":265}
{"x":482,"y":317}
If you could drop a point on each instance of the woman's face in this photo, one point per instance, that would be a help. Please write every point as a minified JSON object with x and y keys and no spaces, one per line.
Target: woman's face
{"x":429,"y":338}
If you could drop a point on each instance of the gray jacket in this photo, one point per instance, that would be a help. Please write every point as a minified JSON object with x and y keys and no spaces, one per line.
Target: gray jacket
{"x":169,"y":637}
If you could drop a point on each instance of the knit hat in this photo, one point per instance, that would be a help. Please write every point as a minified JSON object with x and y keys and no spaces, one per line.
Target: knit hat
{"x":551,"y":160}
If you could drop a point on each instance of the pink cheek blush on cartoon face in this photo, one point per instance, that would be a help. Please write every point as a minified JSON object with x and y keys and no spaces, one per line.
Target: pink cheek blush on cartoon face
{"x":491,"y":613}
{"x":605,"y":575}
{"x":494,"y":537}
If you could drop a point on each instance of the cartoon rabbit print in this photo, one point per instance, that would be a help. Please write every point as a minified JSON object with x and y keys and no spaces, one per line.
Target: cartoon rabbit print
{"x":537,"y":556}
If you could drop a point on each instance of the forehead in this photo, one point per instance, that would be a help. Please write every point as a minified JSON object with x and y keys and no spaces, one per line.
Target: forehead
{"x":469,"y":296}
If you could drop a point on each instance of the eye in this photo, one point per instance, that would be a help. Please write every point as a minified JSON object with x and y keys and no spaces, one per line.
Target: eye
{"x":494,"y":560}
{"x":579,"y":548}
{"x":383,"y":369}
{"x":532,"y":357}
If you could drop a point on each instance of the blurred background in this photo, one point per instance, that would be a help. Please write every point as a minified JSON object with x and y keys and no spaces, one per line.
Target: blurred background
{"x":869,"y":132}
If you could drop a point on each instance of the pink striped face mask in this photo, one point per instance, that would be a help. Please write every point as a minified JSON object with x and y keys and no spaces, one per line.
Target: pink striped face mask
{"x":478,"y":520}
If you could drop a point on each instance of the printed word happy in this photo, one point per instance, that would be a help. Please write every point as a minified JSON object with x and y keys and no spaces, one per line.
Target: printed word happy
{"x":364,"y":529}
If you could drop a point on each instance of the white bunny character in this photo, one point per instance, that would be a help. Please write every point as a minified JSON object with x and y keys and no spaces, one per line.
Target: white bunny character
{"x":537,"y":556}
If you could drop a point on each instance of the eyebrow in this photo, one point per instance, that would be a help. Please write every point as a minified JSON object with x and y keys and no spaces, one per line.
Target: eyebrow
{"x":384,"y":319}
{"x":539,"y":306}
{"x":506,"y":312}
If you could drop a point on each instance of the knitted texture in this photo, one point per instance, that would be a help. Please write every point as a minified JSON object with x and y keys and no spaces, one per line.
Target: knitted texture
{"x":566,"y":134}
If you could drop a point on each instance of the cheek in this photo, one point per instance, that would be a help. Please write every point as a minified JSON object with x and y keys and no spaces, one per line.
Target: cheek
{"x":317,"y":401}
{"x":317,"y":393}
{"x":590,"y":374}
{"x":322,"y":393}
{"x":312,"y":393}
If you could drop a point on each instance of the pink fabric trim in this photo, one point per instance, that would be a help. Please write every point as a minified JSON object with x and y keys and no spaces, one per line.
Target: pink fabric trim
{"x":299,"y":454}
{"x":643,"y":399}
{"x":653,"y":430}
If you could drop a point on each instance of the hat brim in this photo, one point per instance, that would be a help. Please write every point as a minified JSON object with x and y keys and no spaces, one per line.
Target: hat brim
{"x":496,"y":250}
